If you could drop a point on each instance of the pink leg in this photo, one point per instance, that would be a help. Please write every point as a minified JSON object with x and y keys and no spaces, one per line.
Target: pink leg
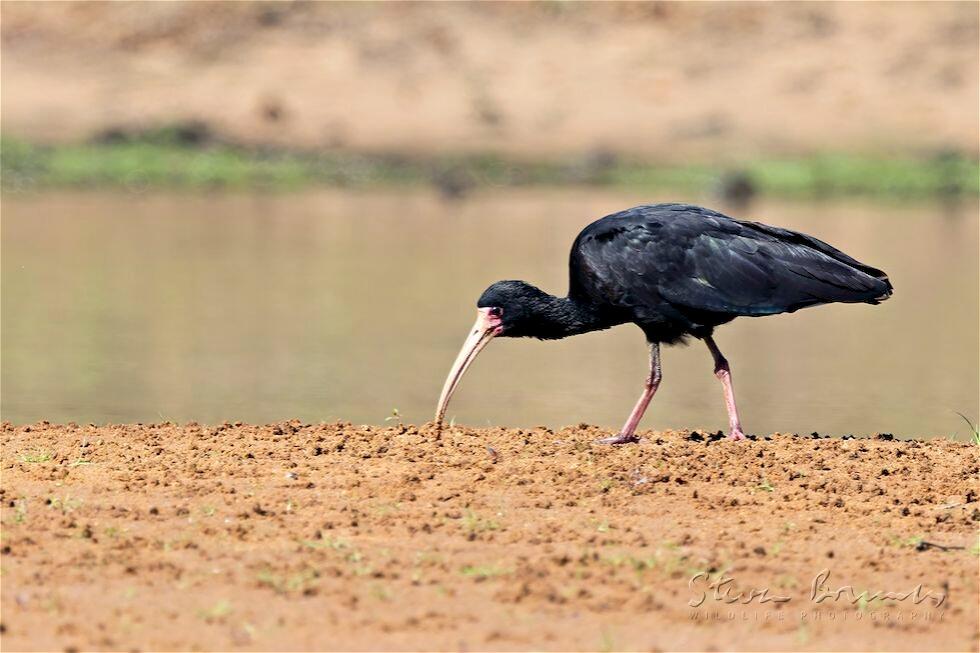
{"x":724,"y":374}
{"x":627,"y":434}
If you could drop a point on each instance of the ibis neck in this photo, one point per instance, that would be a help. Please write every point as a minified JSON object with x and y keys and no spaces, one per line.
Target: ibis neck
{"x":559,"y":317}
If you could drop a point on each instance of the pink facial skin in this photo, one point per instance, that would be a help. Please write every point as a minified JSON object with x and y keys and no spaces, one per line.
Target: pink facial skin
{"x":493,"y":319}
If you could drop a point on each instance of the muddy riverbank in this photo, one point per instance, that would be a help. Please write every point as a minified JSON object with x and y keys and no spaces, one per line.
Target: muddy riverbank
{"x":335,"y":536}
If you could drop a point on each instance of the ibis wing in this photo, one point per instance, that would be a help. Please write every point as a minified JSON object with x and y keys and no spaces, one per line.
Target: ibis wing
{"x":747,"y":272}
{"x":678,"y":258}
{"x":797,"y":238}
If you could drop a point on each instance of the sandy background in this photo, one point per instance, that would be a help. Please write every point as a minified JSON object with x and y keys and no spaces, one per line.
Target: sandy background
{"x":332,"y":536}
{"x":665,"y":81}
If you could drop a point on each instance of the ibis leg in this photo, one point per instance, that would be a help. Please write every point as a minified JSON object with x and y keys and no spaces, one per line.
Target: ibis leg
{"x":724,"y":374}
{"x":628,"y":433}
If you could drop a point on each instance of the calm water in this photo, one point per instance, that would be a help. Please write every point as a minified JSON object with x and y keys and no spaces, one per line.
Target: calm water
{"x":338,"y":305}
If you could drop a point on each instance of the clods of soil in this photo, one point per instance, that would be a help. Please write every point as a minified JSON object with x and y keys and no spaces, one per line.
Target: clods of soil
{"x":336,"y":536}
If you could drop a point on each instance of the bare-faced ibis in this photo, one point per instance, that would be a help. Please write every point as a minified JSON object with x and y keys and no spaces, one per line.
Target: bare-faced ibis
{"x":674,"y":270}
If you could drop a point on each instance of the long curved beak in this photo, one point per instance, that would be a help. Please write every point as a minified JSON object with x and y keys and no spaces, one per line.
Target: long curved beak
{"x":484,"y":329}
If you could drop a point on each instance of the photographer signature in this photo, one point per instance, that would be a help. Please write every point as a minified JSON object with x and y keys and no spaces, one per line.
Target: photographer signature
{"x":723,"y":589}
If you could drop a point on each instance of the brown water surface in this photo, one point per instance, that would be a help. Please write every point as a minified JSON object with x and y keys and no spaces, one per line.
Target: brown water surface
{"x":347,"y":305}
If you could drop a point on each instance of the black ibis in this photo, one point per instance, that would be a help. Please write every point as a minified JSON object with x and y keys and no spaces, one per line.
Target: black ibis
{"x":676,"y":271}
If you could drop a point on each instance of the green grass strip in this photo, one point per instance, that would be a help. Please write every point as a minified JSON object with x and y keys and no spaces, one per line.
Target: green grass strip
{"x":161,"y":162}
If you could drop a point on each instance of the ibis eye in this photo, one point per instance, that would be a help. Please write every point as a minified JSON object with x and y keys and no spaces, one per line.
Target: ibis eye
{"x":496,"y":312}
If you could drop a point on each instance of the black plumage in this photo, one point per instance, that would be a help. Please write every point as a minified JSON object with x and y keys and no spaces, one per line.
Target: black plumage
{"x":675,"y":270}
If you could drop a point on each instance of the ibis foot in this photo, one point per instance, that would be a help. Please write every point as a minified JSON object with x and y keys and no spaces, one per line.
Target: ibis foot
{"x":736,"y":434}
{"x":622,"y":438}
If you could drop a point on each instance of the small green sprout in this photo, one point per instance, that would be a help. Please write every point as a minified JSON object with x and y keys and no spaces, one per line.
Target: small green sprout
{"x":911,"y":542}
{"x":298,"y":582}
{"x":38,"y":456}
{"x":802,"y":633}
{"x":975,"y":438}
{"x":20,"y":512}
{"x":607,"y":643}
{"x":482,"y":572}
{"x":217,"y":612}
{"x":473,"y":523}
{"x":65,"y":505}
{"x":380,"y":592}
{"x":327,"y":543}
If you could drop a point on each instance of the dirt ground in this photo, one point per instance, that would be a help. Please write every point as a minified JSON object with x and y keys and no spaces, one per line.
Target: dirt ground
{"x":665,"y":81}
{"x":335,"y":536}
